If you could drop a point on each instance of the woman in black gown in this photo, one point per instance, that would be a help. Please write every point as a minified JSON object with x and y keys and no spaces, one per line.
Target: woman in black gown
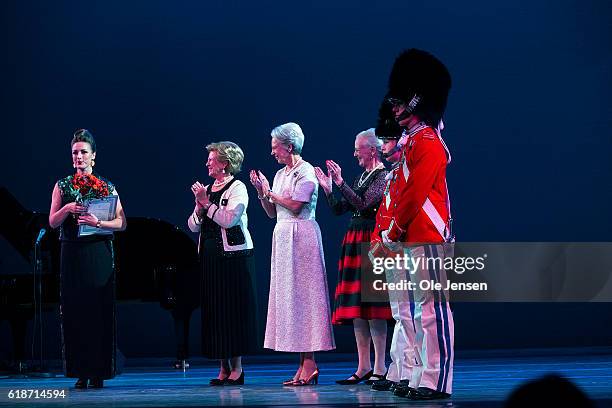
{"x":87,"y":276}
{"x":229,"y":324}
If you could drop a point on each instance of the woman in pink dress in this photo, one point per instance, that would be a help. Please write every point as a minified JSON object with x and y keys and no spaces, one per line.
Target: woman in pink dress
{"x":299,"y":318}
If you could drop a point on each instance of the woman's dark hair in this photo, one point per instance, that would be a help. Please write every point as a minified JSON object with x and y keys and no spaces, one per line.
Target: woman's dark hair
{"x":83,"y":135}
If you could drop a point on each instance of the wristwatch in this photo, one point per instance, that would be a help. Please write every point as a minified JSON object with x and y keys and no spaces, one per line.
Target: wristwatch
{"x":99,"y":224}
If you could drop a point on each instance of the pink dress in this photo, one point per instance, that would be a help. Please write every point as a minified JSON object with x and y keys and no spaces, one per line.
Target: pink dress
{"x":299,"y":318}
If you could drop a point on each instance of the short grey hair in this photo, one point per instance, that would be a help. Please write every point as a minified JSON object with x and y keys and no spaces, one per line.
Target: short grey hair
{"x":290,"y":134}
{"x":371,"y":139}
{"x":228,"y":152}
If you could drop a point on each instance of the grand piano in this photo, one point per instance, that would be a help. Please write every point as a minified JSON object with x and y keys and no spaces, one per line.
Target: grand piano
{"x":155,"y":262}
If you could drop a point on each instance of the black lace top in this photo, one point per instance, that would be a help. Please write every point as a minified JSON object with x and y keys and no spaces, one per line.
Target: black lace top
{"x":363,"y":200}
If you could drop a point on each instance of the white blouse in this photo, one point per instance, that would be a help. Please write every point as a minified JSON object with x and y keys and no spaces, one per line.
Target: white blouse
{"x":231,"y":212}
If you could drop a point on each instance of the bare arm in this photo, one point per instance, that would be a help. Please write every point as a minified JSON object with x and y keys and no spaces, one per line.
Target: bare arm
{"x":268,"y":207}
{"x":57,"y":213}
{"x":120,"y":221}
{"x":260,"y":185}
{"x":294,"y":206}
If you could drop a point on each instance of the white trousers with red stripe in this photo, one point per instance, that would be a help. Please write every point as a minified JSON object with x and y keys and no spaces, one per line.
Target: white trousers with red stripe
{"x":402,"y":342}
{"x":434,"y":325}
{"x":422,"y":346}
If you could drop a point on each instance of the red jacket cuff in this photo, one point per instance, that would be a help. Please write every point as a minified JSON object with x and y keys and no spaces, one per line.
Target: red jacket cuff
{"x":395,"y":233}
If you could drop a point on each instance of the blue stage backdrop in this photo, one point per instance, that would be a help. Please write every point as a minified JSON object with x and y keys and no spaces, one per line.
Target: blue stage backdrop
{"x":528,"y":122}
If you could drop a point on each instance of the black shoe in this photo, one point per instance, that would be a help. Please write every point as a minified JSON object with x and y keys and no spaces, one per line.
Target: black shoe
{"x":396,"y":384}
{"x":96,"y":383}
{"x":238,"y":381}
{"x":355,"y":379}
{"x":217,"y":382}
{"x":376,"y":377}
{"x":424,"y":393}
{"x":383,"y":385}
{"x":402,"y":389}
{"x":81,"y":384}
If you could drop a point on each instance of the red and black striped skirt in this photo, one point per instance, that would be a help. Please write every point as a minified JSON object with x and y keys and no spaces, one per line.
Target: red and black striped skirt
{"x":347,"y":298}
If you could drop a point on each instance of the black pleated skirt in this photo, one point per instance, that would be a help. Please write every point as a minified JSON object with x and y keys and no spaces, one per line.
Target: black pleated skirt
{"x":229,"y":307}
{"x":87,"y":309}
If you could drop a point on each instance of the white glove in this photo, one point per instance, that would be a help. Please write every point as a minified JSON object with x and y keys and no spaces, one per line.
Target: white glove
{"x":392,"y":246}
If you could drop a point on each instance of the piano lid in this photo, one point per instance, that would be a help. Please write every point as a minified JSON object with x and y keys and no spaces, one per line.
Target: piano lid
{"x":147,"y":250}
{"x":18,"y":225}
{"x":146,"y":240}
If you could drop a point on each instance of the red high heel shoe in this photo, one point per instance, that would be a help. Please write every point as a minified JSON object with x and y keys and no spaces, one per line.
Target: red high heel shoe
{"x":312,"y":380}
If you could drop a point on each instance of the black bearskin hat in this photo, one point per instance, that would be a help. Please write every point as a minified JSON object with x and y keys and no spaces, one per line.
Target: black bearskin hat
{"x":386,"y":125}
{"x":418,"y":73}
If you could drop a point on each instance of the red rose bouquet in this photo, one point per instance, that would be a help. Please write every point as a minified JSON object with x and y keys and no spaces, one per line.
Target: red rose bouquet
{"x":88,"y":186}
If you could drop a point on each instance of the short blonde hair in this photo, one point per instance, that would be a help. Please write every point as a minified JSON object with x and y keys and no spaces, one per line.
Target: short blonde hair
{"x":290,"y":134}
{"x":228,"y":152}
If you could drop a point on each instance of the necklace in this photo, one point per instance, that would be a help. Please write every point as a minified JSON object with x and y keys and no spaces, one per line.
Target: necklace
{"x":367,"y":174}
{"x":297,"y":163}
{"x":222,"y":183}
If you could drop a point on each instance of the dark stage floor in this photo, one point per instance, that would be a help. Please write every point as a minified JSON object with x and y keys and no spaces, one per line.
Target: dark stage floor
{"x":481,"y":380}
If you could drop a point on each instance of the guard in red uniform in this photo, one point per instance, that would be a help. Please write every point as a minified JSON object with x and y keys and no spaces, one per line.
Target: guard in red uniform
{"x":418,"y":215}
{"x":402,"y":342}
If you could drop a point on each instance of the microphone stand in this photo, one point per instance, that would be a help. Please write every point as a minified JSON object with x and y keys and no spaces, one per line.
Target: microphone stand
{"x":42,"y":369}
